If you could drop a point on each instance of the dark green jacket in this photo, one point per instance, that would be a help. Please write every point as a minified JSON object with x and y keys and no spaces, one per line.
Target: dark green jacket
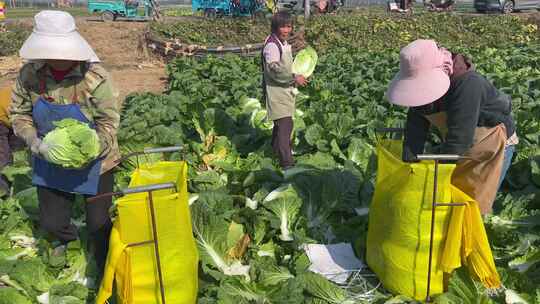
{"x":471,"y":101}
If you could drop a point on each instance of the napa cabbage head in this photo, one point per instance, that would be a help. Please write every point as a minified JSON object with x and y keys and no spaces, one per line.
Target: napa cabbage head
{"x":285,"y":204}
{"x":214,"y":240}
{"x":72,"y":144}
{"x":249,"y":104}
{"x":305,"y":62}
{"x":12,"y":296}
{"x":259,"y":120}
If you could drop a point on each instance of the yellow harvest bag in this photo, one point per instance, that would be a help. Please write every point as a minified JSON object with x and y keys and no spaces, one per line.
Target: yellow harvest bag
{"x":467,"y":243}
{"x":400,"y":222}
{"x":134,"y":268}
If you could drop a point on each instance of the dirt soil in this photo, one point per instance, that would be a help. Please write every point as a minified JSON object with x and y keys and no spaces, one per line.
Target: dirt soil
{"x":117,"y":45}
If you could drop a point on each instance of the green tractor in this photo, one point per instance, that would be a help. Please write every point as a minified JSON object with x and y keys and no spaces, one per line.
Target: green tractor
{"x":111,"y":10}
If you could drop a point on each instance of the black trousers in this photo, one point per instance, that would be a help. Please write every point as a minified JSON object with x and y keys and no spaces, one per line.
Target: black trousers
{"x":55,"y":216}
{"x":281,"y":141}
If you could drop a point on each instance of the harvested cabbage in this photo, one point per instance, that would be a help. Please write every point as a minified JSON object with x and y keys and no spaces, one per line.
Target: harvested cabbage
{"x":305,"y":62}
{"x":72,"y":144}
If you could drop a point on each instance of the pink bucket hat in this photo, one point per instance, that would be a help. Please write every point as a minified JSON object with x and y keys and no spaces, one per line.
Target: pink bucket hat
{"x":423,"y":74}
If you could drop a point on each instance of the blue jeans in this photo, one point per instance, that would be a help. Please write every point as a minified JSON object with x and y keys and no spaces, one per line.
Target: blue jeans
{"x":507,"y":161}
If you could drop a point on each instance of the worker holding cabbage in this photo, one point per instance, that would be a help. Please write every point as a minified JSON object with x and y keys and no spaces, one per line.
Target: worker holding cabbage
{"x":278,"y":85}
{"x":65,"y":108}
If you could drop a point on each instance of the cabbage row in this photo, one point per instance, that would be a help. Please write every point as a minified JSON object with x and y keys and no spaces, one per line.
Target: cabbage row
{"x":213,"y":108}
{"x":365,"y":29}
{"x":12,"y":37}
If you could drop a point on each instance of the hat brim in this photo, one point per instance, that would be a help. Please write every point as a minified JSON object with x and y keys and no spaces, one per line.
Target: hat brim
{"x":422,"y":89}
{"x":65,"y":47}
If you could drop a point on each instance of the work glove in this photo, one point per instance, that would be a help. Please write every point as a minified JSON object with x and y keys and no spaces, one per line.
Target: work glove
{"x":40,"y":149}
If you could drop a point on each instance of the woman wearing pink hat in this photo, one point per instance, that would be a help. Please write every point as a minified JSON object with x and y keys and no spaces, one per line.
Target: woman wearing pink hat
{"x":474,"y":118}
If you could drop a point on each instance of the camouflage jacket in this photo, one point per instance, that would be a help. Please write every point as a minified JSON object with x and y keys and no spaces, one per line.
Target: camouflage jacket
{"x":88,"y":84}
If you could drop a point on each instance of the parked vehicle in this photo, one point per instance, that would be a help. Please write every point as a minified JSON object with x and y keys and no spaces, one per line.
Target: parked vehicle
{"x":317,"y":6}
{"x":213,"y":8}
{"x":505,"y":6}
{"x":440,"y":5}
{"x":111,"y":10}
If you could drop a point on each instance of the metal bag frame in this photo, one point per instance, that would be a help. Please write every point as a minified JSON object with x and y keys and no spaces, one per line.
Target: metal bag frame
{"x":437,"y":158}
{"x":149,"y":189}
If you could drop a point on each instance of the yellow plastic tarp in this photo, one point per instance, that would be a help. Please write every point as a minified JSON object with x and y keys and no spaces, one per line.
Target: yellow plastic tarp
{"x":134,"y":268}
{"x":400,"y":223}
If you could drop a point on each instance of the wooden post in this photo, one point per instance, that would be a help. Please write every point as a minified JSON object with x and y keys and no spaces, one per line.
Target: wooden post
{"x":307,"y":7}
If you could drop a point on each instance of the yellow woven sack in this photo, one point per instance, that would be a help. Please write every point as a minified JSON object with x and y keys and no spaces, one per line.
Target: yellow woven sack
{"x":133,"y":268}
{"x":467,"y":242}
{"x":400,"y":222}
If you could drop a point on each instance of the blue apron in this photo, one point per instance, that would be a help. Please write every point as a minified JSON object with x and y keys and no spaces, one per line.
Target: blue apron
{"x":81,"y":181}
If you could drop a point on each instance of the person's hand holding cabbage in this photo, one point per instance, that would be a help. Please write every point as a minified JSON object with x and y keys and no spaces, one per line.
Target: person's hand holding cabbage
{"x":72,"y":144}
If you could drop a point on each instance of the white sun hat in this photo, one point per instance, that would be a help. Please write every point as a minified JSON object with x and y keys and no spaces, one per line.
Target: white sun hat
{"x":55,"y":36}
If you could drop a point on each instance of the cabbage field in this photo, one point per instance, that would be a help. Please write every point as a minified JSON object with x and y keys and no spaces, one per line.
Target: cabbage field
{"x":12,"y":37}
{"x":251,"y":219}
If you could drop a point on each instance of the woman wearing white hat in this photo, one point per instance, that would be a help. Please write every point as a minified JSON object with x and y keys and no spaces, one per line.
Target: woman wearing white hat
{"x":443,"y":90}
{"x":62,"y":79}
